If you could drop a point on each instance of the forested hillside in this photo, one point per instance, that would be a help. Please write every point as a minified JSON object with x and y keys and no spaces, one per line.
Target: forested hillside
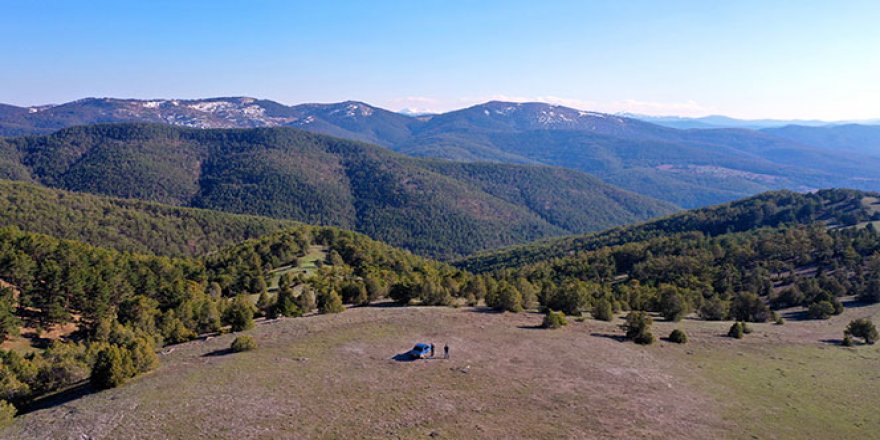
{"x":772,"y":209}
{"x":126,"y":224}
{"x":730,"y":262}
{"x":124,"y":305}
{"x":284,"y":173}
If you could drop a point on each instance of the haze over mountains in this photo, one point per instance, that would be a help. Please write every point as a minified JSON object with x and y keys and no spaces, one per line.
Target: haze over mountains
{"x":689,"y":168}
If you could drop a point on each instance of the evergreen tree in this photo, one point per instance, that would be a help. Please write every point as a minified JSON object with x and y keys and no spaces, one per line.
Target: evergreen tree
{"x":110,"y":369}
{"x":638,"y":327}
{"x":285,"y":302}
{"x":240,"y":314}
{"x":603,"y":310}
{"x":862,"y":328}
{"x":306,"y":300}
{"x":330,"y":302}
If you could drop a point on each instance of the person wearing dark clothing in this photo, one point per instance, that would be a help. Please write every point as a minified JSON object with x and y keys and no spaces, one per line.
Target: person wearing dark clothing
{"x":446,"y":351}
{"x":432,"y":349}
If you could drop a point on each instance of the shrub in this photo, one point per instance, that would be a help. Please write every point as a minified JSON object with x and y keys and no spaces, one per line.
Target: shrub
{"x":747,"y":329}
{"x":243,"y":343}
{"x":820,"y":310}
{"x":678,"y":336}
{"x":638,"y":327}
{"x":7,"y":413}
{"x":862,"y":328}
{"x":736,"y":331}
{"x":847,"y":341}
{"x":603,"y":310}
{"x":554,"y":319}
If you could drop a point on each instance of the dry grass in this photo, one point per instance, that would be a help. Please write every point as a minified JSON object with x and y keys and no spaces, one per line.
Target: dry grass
{"x":332,"y":377}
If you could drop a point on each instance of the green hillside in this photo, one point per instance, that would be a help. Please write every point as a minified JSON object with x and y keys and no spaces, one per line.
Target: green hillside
{"x":126,"y":224}
{"x":810,"y":251}
{"x":90,"y":313}
{"x":772,"y":209}
{"x":427,"y":207}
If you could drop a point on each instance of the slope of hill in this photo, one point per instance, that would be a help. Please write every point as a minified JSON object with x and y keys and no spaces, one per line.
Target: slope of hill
{"x":689,"y":168}
{"x":831,"y":207}
{"x":290,"y":174}
{"x":127,"y":225}
{"x":124,"y":304}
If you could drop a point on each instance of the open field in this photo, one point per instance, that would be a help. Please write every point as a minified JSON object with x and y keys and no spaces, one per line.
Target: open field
{"x":333,"y":377}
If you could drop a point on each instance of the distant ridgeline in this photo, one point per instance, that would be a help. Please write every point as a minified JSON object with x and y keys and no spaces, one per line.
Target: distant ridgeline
{"x":431,"y":207}
{"x":688,"y":168}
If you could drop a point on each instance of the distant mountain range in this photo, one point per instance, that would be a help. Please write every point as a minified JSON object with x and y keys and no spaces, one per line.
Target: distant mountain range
{"x":718,"y":121}
{"x":429,"y":206}
{"x":686,"y":167}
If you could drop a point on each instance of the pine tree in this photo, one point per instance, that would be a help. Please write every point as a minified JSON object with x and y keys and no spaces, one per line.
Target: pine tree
{"x":110,"y":369}
{"x":330,"y":302}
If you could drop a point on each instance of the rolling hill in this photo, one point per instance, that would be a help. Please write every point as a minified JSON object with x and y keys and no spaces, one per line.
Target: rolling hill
{"x":689,"y":168}
{"x":772,"y":209}
{"x":125,"y":224}
{"x":427,"y":206}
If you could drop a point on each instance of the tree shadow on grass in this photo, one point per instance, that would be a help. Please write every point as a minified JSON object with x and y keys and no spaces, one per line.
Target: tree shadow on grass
{"x":385,"y":305}
{"x":75,"y":392}
{"x":796,"y":315}
{"x":832,"y":341}
{"x":855,"y":303}
{"x":618,"y":338}
{"x":220,"y":352}
{"x":483,"y":309}
{"x":532,"y":327}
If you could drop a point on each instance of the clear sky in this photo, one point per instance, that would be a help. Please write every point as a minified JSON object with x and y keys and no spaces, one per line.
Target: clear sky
{"x":743,"y":58}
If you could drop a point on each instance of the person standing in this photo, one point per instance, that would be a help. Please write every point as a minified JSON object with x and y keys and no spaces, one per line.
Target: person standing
{"x":445,"y":351}
{"x":432,"y":349}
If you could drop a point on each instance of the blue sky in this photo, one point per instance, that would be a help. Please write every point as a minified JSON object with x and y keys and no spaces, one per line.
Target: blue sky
{"x":751,"y":59}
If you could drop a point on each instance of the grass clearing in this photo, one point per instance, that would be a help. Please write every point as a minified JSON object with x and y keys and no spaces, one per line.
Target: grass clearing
{"x":801,"y":391}
{"x":306,"y":264}
{"x":332,"y":376}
